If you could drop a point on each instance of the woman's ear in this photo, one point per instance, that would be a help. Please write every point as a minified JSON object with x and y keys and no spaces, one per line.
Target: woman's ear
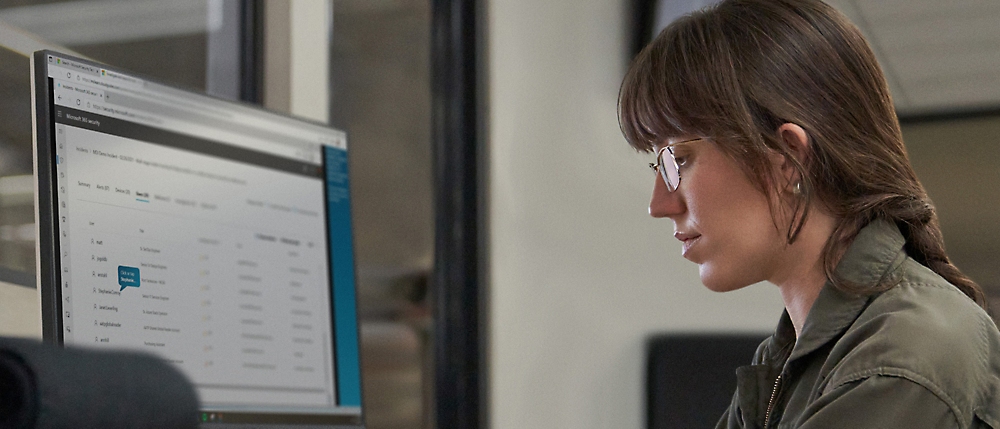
{"x":799,"y":145}
{"x":796,"y":140}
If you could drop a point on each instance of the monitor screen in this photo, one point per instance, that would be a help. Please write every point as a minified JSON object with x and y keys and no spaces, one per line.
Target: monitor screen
{"x":213,"y":234}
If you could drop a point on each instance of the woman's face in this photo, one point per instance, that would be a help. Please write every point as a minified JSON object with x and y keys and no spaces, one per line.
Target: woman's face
{"x":722,"y":220}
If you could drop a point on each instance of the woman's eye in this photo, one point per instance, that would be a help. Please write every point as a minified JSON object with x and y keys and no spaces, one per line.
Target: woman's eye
{"x":682,"y":155}
{"x":682,"y":158}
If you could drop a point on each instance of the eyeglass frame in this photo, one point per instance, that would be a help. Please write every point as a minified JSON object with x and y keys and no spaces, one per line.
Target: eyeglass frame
{"x":659,"y":165}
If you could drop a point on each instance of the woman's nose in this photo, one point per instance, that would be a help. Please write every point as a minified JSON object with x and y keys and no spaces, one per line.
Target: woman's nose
{"x":665,"y":203}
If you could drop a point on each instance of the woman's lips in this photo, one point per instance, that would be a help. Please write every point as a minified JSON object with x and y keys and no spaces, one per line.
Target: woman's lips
{"x":687,"y":240}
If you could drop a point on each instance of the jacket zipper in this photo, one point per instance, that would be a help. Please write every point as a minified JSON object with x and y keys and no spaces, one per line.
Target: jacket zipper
{"x":770,"y":404}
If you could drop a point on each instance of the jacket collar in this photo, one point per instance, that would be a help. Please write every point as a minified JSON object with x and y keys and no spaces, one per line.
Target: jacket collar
{"x":873,"y":256}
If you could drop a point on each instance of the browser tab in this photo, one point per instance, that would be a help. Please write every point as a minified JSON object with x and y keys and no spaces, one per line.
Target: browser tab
{"x":120,"y":79}
{"x":76,"y":66}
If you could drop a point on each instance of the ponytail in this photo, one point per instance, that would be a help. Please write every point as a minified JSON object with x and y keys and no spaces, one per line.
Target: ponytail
{"x":917,"y":220}
{"x":925,"y":244}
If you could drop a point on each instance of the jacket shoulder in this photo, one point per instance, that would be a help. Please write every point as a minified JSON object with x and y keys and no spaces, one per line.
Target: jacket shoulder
{"x":927,"y":331}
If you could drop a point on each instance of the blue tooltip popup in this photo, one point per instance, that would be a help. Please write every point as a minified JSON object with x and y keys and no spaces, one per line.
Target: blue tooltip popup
{"x":128,"y":277}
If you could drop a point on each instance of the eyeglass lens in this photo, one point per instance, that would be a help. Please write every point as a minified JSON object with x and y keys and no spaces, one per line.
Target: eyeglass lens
{"x":668,"y":169}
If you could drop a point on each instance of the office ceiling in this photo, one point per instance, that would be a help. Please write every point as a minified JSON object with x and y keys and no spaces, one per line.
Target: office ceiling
{"x":938,"y":55}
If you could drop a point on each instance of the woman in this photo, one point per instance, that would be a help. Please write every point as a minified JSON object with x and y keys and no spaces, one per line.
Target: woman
{"x":780,"y":158}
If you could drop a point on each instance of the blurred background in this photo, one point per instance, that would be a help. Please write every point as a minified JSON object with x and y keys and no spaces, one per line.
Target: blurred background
{"x":576,"y":276}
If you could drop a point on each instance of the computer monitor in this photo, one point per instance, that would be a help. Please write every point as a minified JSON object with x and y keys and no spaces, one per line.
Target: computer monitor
{"x":214,"y":234}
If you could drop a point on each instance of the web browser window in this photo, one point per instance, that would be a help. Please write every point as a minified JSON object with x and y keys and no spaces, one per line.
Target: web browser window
{"x":215,"y":235}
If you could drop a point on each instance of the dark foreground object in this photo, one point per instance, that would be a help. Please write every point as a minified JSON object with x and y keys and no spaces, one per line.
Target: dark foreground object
{"x":691,"y":378}
{"x":43,"y":386}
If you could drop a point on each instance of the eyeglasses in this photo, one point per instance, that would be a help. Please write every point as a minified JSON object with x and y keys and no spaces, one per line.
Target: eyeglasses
{"x":667,"y":167}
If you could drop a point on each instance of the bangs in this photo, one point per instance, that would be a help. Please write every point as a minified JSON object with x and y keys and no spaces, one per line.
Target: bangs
{"x":682,"y":84}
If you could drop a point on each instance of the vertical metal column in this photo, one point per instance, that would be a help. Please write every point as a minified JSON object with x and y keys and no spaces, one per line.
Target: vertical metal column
{"x":459,"y":292}
{"x":233,"y":55}
{"x":251,"y":48}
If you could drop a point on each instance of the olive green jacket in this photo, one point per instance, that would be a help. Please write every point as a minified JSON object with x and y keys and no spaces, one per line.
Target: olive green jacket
{"x":920,"y":355}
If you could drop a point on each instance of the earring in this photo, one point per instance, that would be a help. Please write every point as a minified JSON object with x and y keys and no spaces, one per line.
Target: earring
{"x":797,"y":188}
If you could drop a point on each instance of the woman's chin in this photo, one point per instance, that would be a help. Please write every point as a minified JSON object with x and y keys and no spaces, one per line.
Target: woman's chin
{"x":716,"y":280}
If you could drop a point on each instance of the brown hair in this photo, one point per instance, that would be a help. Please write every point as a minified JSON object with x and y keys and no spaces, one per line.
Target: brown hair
{"x":736,"y":71}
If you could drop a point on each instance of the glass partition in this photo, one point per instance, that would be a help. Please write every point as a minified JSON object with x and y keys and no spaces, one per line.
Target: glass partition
{"x":381,"y":94}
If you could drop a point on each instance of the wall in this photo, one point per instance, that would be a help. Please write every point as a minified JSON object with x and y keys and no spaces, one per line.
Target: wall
{"x":297,"y":57}
{"x":20,"y":311}
{"x":580,"y":275}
